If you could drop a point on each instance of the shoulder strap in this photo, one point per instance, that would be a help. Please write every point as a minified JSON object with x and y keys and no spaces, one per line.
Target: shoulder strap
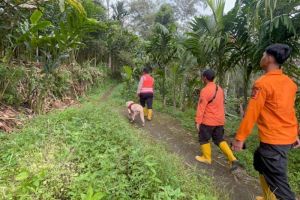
{"x":217,"y":88}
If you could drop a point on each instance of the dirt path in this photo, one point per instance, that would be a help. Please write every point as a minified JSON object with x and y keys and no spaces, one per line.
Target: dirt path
{"x":168,"y":131}
{"x":108,"y":93}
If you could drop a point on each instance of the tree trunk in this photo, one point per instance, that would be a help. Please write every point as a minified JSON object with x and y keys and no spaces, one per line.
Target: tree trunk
{"x":246,"y":85}
{"x":109,"y":61}
{"x":226,"y":88}
{"x":220,"y":72}
{"x":37,"y":55}
{"x":174,"y":93}
{"x":242,"y":110}
{"x":163,"y":91}
{"x":108,"y":5}
{"x":182,"y":92}
{"x":164,"y":86}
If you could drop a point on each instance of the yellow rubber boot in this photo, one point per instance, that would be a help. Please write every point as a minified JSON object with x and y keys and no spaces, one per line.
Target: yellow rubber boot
{"x":206,"y":154}
{"x":150,"y":113}
{"x":145,"y":112}
{"x":227,"y":151}
{"x":268,"y":194}
{"x":229,"y":154}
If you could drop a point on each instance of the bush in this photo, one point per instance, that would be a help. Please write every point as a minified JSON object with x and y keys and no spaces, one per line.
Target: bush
{"x":30,"y":86}
{"x":10,"y":78}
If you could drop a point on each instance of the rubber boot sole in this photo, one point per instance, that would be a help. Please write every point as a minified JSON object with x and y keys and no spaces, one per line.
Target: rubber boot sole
{"x":235,"y":165}
{"x":203,"y":160}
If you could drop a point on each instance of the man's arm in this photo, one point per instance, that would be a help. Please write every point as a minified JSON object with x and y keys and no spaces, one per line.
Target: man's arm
{"x":255,"y":106}
{"x":297,"y":143}
{"x":140,"y":86}
{"x":202,"y":103}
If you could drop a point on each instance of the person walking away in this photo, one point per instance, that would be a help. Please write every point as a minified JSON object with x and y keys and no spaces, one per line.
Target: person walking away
{"x":145,"y":92}
{"x":210,"y":120}
{"x":272,"y":107}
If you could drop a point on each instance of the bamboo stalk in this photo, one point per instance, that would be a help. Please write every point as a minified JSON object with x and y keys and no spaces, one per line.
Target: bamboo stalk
{"x":6,"y":118}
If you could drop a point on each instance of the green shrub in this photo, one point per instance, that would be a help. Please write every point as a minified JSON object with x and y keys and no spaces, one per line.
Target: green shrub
{"x":30,"y":86}
{"x":10,"y":78}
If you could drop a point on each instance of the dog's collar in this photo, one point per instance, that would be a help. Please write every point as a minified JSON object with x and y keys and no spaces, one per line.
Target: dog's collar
{"x":130,"y":105}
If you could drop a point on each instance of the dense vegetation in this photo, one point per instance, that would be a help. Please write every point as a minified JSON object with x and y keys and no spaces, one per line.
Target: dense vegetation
{"x":58,"y":49}
{"x":173,"y":38}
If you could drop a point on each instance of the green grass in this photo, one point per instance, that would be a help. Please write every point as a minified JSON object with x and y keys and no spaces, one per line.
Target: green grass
{"x":91,"y":152}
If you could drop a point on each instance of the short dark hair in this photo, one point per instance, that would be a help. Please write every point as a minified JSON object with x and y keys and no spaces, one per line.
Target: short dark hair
{"x":209,"y":74}
{"x":147,"y":70}
{"x":281,"y":52}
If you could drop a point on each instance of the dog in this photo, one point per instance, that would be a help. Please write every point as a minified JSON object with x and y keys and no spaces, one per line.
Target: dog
{"x":135,"y":109}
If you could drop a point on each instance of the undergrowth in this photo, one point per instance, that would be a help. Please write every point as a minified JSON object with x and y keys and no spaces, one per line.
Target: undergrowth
{"x":90,"y":152}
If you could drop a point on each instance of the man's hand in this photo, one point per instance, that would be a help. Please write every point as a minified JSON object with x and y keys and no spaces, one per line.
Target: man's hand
{"x":198,"y":127}
{"x":297,"y":144}
{"x":237,"y":145}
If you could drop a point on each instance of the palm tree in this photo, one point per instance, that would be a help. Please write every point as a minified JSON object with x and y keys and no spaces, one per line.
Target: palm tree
{"x":162,"y":43}
{"x":208,"y":39}
{"x":119,"y":12}
{"x":162,"y":48}
{"x":252,"y":32}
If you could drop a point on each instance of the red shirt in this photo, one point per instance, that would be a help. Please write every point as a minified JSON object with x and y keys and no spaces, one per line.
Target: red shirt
{"x":212,"y":114}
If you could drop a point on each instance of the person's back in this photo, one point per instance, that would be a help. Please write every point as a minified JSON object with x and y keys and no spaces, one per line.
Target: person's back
{"x":214,"y":114}
{"x":277,"y":122}
{"x":145,"y":91}
{"x":148,"y":83}
{"x":279,"y":109}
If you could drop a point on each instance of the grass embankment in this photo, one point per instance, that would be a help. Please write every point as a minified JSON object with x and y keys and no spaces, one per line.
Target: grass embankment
{"x":186,"y":119}
{"x":91,"y":152}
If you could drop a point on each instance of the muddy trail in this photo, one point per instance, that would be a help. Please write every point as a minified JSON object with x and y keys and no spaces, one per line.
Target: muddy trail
{"x":168,"y":131}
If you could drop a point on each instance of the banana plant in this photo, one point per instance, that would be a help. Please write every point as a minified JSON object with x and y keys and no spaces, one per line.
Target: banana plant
{"x":129,"y":79}
{"x":32,"y":32}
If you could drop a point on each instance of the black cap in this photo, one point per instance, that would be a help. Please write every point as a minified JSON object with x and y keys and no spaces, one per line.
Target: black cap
{"x":281,"y":52}
{"x":209,"y":74}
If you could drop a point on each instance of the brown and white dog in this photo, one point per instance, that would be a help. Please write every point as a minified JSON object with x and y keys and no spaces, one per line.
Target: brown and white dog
{"x":135,"y":109}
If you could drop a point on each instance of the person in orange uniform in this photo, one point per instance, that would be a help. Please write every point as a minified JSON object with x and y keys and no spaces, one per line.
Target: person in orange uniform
{"x":145,"y":91}
{"x":210,"y":120}
{"x":272,"y":107}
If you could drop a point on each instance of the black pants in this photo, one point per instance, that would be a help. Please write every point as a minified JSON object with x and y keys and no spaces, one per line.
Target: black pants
{"x":208,"y":132}
{"x":146,"y":98}
{"x":271,"y":162}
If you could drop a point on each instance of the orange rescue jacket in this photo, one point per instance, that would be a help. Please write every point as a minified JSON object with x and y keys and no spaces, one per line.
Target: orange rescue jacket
{"x":213,"y":113}
{"x":272,"y":107}
{"x":146,"y":84}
